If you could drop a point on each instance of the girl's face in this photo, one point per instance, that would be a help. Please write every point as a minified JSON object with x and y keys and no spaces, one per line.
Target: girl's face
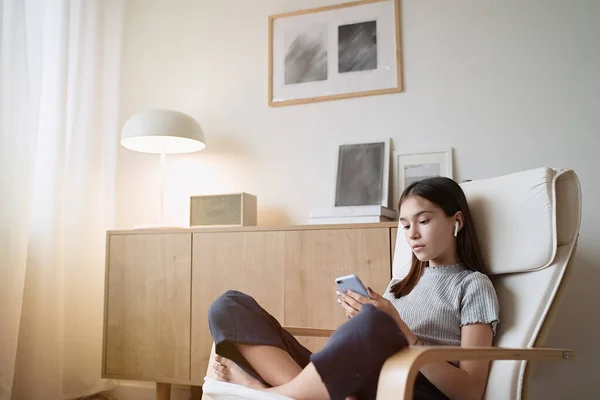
{"x":429,"y":232}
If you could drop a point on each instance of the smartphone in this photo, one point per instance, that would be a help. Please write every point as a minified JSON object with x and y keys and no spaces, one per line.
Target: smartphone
{"x":353,"y":283}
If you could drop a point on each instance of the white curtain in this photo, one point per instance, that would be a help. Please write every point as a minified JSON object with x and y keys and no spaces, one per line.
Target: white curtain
{"x":59,"y":81}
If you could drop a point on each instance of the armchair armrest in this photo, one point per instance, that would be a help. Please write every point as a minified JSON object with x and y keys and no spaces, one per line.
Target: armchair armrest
{"x":399,"y":372}
{"x":313,"y":332}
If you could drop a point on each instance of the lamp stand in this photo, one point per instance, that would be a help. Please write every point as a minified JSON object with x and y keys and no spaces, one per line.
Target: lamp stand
{"x":161,"y":214}
{"x":163,"y":159}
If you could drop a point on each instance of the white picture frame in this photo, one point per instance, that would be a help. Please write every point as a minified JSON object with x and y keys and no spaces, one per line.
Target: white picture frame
{"x":408,"y":167}
{"x":362,"y":173}
{"x":335,"y":52}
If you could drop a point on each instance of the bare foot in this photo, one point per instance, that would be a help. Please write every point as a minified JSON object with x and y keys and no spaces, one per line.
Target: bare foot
{"x":228,"y":371}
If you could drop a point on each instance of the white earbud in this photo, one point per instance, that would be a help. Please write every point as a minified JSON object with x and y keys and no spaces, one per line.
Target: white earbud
{"x":456,"y":229}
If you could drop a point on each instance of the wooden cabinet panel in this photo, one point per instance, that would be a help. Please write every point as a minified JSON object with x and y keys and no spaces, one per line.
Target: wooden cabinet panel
{"x":393,"y":234}
{"x":147,"y":316}
{"x":314,"y":258}
{"x":251,"y":262}
{"x":314,"y":344}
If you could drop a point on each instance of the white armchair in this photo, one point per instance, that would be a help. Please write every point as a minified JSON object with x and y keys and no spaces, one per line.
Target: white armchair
{"x":528,"y":225}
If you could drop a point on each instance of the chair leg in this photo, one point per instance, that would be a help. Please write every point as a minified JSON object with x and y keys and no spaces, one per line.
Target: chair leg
{"x":163,"y":391}
{"x":196,"y":392}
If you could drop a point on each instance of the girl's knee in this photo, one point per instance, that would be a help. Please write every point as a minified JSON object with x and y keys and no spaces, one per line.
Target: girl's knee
{"x":230,"y":296}
{"x":227,"y":305}
{"x":372,"y":317}
{"x":380,"y":327}
{"x":221,"y":306}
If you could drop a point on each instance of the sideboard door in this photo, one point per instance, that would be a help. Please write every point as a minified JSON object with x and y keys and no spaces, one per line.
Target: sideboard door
{"x":251,"y":262}
{"x":147,"y":315}
{"x":314,"y":258}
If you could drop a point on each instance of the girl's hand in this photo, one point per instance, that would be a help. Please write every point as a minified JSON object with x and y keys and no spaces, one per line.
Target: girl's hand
{"x":352,"y":303}
{"x":349,"y":304}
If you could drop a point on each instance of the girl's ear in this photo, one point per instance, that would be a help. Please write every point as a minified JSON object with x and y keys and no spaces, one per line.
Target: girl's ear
{"x":459,"y":219}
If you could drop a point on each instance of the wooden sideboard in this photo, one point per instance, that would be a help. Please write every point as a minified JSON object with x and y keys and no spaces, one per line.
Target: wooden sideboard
{"x":160,"y":283}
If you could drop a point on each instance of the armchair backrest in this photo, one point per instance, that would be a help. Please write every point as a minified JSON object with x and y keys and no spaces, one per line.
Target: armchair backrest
{"x":528,"y":226}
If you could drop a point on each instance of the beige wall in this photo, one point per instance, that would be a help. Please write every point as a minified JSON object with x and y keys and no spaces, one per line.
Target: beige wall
{"x":509,"y":85}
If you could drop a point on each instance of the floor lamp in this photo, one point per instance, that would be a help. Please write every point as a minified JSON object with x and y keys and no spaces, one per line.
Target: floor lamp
{"x":162,"y":132}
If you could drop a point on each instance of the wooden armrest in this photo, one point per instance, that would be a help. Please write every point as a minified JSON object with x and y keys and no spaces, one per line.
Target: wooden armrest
{"x":313,"y":332}
{"x":399,"y":372}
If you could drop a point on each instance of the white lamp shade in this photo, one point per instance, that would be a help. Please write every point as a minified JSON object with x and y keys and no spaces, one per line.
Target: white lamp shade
{"x":162,"y":131}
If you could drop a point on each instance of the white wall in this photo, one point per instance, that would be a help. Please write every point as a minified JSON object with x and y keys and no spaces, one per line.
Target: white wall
{"x":509,"y":85}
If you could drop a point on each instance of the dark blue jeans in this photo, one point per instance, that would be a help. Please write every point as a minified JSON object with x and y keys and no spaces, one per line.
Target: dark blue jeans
{"x":350,"y":362}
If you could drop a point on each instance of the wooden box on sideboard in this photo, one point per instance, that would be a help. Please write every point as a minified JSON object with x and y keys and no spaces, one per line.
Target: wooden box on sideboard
{"x":233,"y":209}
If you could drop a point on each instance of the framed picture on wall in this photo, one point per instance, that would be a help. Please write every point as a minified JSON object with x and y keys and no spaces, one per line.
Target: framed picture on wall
{"x":362,"y":175}
{"x":335,"y":52}
{"x":409,"y":168}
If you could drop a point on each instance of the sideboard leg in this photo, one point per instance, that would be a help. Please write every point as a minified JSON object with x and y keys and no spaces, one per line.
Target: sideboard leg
{"x":163,"y":391}
{"x":196,"y":392}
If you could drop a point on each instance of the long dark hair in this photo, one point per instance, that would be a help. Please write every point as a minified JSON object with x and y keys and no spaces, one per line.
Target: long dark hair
{"x":449,"y":196}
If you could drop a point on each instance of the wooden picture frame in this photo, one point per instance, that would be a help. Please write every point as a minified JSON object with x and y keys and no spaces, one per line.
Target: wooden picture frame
{"x":335,"y":52}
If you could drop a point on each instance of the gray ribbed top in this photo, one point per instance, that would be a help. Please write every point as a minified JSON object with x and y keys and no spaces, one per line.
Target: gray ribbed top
{"x":445,"y":299}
